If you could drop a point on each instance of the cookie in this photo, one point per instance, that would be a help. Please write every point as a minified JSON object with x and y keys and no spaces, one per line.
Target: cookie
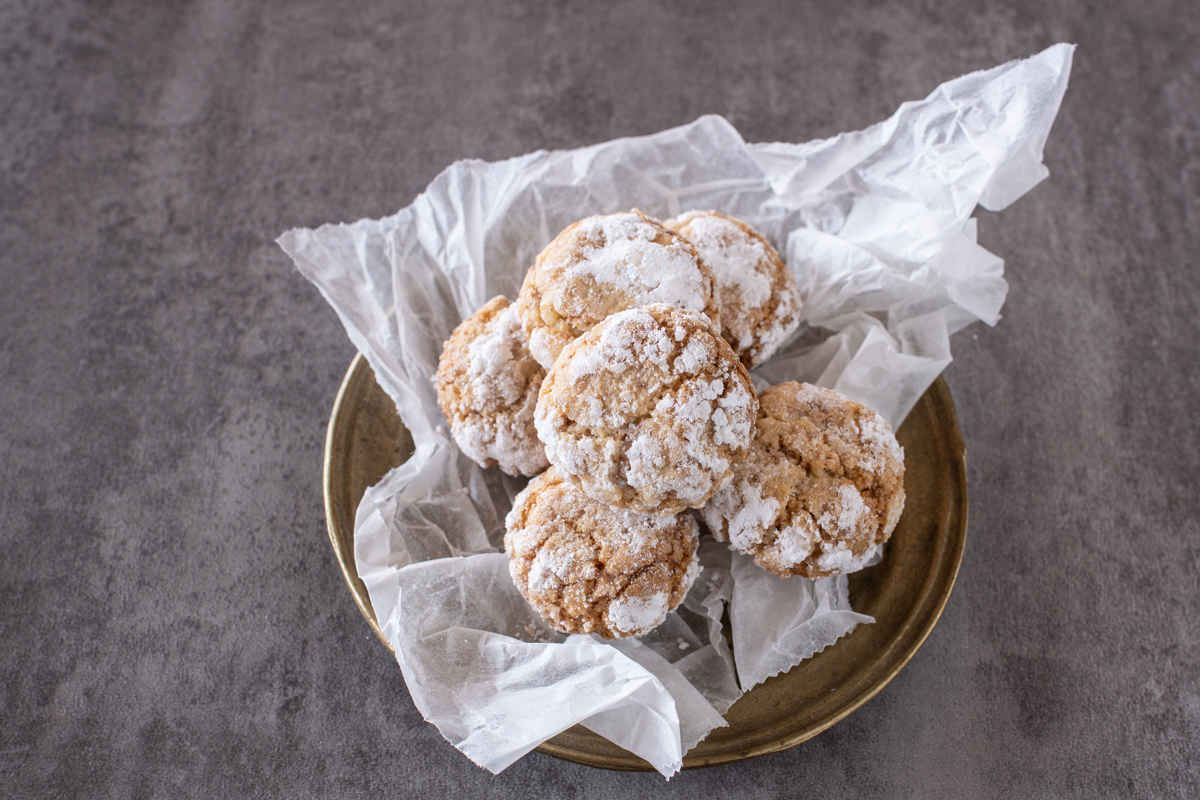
{"x":820,"y":490}
{"x":587,"y":567}
{"x":648,"y":411}
{"x":757,"y":295}
{"x":487,"y":386}
{"x":604,"y":264}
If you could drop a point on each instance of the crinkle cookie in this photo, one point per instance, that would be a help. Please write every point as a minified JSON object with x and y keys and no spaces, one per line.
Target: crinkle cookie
{"x":487,"y":385}
{"x":821,"y":489}
{"x":760,"y":304}
{"x":648,"y":411}
{"x":587,"y":567}
{"x":604,"y":264}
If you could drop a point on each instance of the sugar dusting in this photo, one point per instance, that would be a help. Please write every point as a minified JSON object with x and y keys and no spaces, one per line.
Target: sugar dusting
{"x":842,"y":470}
{"x":759,"y":302}
{"x":588,"y":567}
{"x":797,"y":541}
{"x":651,"y":400}
{"x":505,"y":439}
{"x":740,"y":514}
{"x":637,"y":615}
{"x":838,"y":558}
{"x":627,"y":339}
{"x":620,"y":251}
{"x":735,"y":257}
{"x":693,"y":356}
{"x":553,"y":567}
{"x":494,"y":370}
{"x":880,"y":443}
{"x":488,"y":384}
{"x":770,"y":337}
{"x":734,"y":420}
{"x":851,"y":509}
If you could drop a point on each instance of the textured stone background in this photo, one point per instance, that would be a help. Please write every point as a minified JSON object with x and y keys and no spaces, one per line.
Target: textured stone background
{"x":172,"y":621}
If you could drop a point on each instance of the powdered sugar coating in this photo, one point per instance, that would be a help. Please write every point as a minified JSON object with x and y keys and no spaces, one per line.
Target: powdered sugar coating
{"x":760,"y":304}
{"x":649,"y":410}
{"x":604,"y":264}
{"x":487,"y":385}
{"x":642,"y":614}
{"x":820,"y":490}
{"x":587,"y":567}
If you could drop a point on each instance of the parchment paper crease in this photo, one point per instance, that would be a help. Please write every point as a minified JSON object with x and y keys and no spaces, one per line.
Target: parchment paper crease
{"x":876,"y":226}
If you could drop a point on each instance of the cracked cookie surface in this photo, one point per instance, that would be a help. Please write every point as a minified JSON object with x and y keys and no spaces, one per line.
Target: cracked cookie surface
{"x":759,"y":303}
{"x":605,"y":264}
{"x":820,"y":490}
{"x":649,"y":410}
{"x":587,"y":567}
{"x":487,"y":386}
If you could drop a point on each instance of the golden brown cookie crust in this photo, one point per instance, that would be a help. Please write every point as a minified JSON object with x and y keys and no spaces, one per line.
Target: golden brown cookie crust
{"x":487,"y":385}
{"x":760,"y":304}
{"x":604,"y":264}
{"x":820,"y":490}
{"x":649,"y":410}
{"x":589,"y":568}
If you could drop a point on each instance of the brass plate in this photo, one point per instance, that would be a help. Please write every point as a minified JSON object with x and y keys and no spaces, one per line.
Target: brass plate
{"x":905,"y":592}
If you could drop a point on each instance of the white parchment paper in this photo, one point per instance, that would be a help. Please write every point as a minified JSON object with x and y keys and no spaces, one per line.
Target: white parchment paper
{"x":876,"y":226}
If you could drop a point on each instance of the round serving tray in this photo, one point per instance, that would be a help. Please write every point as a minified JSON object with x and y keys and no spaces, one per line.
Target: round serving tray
{"x":905,"y":592}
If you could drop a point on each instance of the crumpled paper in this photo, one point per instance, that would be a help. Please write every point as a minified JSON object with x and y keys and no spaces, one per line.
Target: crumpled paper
{"x":876,"y":227}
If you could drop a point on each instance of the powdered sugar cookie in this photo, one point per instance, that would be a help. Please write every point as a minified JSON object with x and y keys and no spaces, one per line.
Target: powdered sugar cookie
{"x":487,"y":385}
{"x":821,"y":489}
{"x":649,"y":410}
{"x":760,"y":304}
{"x":604,"y":264}
{"x":587,"y":567}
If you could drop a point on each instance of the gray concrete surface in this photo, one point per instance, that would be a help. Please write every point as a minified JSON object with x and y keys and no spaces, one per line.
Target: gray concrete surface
{"x":172,"y":621}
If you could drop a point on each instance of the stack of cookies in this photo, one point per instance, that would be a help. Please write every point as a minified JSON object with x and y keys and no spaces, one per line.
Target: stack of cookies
{"x":619,"y":380}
